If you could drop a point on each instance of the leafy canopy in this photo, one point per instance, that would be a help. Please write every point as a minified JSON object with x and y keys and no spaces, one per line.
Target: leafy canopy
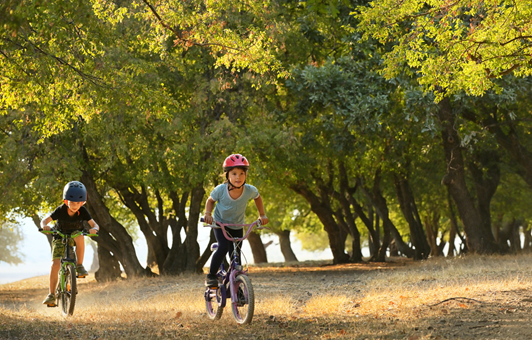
{"x":454,"y":46}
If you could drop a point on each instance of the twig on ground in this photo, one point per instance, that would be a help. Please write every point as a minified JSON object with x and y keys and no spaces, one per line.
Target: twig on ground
{"x":454,"y":298}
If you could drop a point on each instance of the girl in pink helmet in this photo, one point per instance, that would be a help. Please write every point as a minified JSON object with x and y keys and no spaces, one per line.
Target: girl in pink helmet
{"x":231,"y":200}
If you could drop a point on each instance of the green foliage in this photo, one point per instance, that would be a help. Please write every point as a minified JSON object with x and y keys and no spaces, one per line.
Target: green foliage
{"x":452,"y":47}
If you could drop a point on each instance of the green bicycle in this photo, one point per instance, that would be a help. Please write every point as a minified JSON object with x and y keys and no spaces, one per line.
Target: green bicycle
{"x":67,"y":287}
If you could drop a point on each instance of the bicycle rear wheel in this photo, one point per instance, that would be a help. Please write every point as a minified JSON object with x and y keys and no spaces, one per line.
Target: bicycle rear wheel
{"x":244,"y":307}
{"x":214,"y":303}
{"x":68,"y":292}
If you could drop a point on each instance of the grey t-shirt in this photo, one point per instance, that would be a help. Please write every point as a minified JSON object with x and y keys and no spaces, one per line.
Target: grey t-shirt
{"x":229,"y":210}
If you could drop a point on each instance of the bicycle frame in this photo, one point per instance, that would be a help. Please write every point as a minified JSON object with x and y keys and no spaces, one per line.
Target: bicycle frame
{"x":67,"y":261}
{"x":230,"y":278}
{"x":235,"y":268}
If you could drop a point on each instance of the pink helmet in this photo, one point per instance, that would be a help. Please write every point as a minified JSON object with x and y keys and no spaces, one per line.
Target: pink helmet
{"x":236,"y":161}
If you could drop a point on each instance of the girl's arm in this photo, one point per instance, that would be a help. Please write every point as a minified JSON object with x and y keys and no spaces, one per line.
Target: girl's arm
{"x":209,"y":205}
{"x":260,"y":208}
{"x":45,"y":221}
{"x":94,"y":227}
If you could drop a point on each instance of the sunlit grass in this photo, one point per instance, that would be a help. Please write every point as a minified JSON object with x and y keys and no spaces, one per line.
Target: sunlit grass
{"x":404,"y":296}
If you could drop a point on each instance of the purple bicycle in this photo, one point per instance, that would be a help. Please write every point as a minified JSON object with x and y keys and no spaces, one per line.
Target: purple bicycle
{"x":234,"y":282}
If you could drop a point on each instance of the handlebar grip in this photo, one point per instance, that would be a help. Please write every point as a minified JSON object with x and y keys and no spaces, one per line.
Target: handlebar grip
{"x":202,"y":219}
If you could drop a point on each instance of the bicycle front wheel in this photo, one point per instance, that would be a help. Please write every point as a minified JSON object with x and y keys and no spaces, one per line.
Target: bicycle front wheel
{"x":244,"y":306}
{"x":214,"y":303}
{"x":68,"y":290}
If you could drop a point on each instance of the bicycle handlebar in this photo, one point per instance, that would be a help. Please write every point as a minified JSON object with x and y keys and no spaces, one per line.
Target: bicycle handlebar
{"x":219,"y":225}
{"x":74,"y":234}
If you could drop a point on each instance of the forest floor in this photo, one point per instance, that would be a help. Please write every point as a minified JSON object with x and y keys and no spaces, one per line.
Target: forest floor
{"x":469,"y":297}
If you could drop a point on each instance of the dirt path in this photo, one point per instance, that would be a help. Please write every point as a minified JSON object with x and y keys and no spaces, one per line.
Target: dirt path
{"x":471,"y":298}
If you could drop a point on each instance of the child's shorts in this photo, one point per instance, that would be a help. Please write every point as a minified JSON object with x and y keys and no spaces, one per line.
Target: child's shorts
{"x":58,"y":248}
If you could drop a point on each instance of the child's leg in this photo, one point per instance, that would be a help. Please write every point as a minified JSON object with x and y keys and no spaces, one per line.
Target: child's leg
{"x":235,"y":233}
{"x":56,"y":264}
{"x":224,"y":246}
{"x":219,"y":254}
{"x":80,"y":248}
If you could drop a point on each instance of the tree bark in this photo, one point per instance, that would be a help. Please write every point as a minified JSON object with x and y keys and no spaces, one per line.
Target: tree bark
{"x":322,"y":209}
{"x":95,"y":258}
{"x":257,"y":248}
{"x":408,"y":206}
{"x":478,"y":239}
{"x":345,"y":217}
{"x":139,"y":206}
{"x":191,"y":241}
{"x":379,"y":203}
{"x":374,"y":239}
{"x":120,"y":243}
{"x":486,"y":183}
{"x":110,"y":268}
{"x":286,"y":246}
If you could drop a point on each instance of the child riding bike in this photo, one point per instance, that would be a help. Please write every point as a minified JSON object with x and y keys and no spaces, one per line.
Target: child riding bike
{"x":69,"y":216}
{"x":232,"y":197}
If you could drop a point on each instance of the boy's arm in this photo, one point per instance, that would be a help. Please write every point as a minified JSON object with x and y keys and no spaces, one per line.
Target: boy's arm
{"x":94,"y":227}
{"x":260,"y":208}
{"x":45,"y":221}
{"x":209,"y":205}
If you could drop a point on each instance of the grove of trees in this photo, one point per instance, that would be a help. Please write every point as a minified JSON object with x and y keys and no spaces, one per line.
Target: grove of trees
{"x":402,"y":128}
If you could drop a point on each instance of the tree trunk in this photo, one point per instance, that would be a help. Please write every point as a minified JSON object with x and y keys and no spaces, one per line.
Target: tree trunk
{"x":175,"y":261}
{"x":408,"y":206}
{"x":207,"y":253}
{"x":191,"y":241}
{"x":110,"y":268}
{"x":478,"y":239}
{"x":431,"y":236}
{"x":374,"y":239}
{"x":257,"y":248}
{"x":386,"y":241}
{"x":379,"y":203}
{"x":286,"y":246}
{"x":139,"y":206}
{"x":120,"y":243}
{"x":486,"y":183}
{"x":345,"y":217}
{"x":95,"y":258}
{"x":324,"y":212}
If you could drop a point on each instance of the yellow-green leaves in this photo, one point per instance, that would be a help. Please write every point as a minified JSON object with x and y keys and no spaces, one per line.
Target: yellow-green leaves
{"x":454,"y":46}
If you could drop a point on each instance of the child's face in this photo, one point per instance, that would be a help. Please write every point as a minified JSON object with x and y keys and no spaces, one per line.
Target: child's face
{"x":237,"y":176}
{"x":74,"y":206}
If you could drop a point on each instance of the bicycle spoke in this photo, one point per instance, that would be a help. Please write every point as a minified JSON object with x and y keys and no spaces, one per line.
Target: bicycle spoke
{"x":244,"y":306}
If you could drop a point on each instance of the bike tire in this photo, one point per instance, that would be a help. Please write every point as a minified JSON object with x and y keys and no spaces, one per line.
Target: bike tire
{"x":244,"y":307}
{"x":213,"y":303}
{"x":69,"y":291}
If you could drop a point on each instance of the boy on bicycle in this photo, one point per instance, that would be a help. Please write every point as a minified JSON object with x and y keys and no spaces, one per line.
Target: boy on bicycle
{"x":69,"y":216}
{"x":231,"y":199}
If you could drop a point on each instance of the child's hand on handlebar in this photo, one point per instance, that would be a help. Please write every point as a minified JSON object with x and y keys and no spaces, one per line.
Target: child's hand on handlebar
{"x":208,"y":219}
{"x":47,"y":228}
{"x":93,"y":231}
{"x":263,"y":220}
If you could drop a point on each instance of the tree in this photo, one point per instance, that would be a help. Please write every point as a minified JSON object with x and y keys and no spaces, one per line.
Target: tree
{"x":453,"y":47}
{"x":9,"y":244}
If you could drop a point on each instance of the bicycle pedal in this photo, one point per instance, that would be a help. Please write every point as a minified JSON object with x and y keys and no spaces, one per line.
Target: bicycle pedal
{"x":81,"y":277}
{"x":51,"y":305}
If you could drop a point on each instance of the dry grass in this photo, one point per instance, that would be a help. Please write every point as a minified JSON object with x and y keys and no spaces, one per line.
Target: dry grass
{"x":487,"y":297}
